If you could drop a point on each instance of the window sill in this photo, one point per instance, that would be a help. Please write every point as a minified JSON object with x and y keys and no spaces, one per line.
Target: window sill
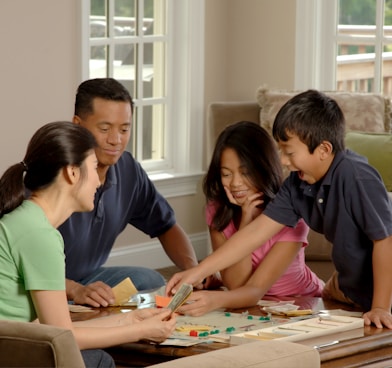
{"x":176,"y":185}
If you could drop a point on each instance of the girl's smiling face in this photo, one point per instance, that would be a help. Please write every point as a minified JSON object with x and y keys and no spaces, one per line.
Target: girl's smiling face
{"x":235,"y":177}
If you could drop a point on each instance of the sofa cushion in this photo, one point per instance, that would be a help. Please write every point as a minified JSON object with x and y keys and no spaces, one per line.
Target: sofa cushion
{"x":377,"y":147}
{"x":368,"y":112}
{"x":260,"y":354}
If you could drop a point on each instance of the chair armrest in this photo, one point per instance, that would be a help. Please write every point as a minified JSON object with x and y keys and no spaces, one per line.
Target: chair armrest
{"x":24,"y":344}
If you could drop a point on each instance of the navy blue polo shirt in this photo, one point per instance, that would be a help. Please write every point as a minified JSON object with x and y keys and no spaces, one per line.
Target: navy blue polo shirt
{"x":351,"y":207}
{"x":127,"y":197}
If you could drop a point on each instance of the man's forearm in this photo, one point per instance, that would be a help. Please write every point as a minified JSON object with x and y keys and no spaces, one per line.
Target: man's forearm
{"x":178,"y":247}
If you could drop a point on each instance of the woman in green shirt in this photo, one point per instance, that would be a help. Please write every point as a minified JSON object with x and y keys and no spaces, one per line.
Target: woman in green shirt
{"x":59,"y":171}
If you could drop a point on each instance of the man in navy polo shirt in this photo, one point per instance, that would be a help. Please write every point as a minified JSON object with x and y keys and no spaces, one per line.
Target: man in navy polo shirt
{"x":126,"y":196}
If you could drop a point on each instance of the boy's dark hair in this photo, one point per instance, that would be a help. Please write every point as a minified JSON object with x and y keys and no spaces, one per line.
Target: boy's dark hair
{"x":313,"y":117}
{"x":257,"y":151}
{"x":105,"y":88}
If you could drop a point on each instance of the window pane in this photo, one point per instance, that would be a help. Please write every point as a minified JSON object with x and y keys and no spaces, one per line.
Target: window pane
{"x":98,"y":25}
{"x":356,"y":52}
{"x":153,"y":69}
{"x":154,"y":17}
{"x":124,"y":18}
{"x":153,"y":132}
{"x":124,"y":66}
{"x":358,"y":12}
{"x":98,"y":61}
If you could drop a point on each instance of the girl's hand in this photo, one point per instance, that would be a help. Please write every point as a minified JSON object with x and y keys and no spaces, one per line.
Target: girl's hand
{"x":158,"y":327}
{"x":200,"y":302}
{"x":250,"y":206}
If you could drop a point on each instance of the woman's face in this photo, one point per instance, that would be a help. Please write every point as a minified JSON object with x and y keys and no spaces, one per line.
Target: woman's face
{"x":88,"y":184}
{"x":235,"y":176}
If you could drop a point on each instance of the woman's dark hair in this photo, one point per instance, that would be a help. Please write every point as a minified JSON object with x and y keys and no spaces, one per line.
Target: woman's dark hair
{"x":52,"y":147}
{"x":106,"y":88}
{"x":257,"y":151}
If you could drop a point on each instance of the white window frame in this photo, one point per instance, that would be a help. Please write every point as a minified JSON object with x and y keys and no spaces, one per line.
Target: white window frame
{"x":316,"y":44}
{"x":185,"y":86}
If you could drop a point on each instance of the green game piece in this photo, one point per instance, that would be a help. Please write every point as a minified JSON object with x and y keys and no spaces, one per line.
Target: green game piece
{"x":227,"y":314}
{"x":250,"y":317}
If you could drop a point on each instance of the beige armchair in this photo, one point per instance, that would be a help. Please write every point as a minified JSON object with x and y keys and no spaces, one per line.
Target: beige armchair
{"x":25,"y":344}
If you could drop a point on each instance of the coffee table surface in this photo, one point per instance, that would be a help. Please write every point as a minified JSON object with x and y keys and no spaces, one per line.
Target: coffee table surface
{"x":367,"y":346}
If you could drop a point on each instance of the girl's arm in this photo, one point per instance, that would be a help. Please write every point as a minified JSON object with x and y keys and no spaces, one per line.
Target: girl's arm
{"x":268,"y":272}
{"x":52,"y":309}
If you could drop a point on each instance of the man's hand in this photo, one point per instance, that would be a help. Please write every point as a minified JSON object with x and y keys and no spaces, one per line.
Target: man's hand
{"x":379,"y":317}
{"x":96,"y":294}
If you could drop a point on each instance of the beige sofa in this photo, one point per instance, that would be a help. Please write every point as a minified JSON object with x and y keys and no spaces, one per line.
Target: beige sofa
{"x":260,"y":354}
{"x":25,"y":344}
{"x":368,"y":119}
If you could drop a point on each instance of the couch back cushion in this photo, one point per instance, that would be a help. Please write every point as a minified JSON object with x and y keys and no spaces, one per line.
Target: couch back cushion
{"x":367,"y":112}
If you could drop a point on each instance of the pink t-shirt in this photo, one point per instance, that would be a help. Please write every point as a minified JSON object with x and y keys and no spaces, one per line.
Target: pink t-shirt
{"x":298,"y":278}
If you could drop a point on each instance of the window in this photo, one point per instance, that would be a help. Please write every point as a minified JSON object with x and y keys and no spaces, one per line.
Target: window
{"x":153,"y":48}
{"x":348,"y":45}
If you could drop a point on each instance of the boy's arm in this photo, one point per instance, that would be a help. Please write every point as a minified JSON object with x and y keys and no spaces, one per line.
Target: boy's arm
{"x":242,"y":243}
{"x":380,"y":314}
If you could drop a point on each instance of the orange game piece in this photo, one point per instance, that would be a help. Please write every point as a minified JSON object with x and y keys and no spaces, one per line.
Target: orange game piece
{"x":162,"y":301}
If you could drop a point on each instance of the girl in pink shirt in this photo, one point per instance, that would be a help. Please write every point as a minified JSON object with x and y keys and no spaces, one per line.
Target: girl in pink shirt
{"x":243,"y":177}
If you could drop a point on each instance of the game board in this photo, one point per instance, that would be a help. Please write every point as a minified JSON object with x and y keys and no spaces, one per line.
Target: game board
{"x":235,"y":327}
{"x":220,"y":325}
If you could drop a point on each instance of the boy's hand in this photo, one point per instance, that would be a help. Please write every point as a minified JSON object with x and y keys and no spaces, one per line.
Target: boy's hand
{"x":189,"y":276}
{"x":379,"y":317}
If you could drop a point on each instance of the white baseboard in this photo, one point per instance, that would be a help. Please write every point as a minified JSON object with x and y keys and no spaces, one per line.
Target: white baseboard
{"x":151,"y":254}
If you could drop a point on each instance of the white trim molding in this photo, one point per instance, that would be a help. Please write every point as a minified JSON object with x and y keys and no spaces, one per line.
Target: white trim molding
{"x":151,"y":254}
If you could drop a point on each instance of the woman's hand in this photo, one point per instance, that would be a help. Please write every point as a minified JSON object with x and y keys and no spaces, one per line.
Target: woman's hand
{"x":139,"y":315}
{"x":158,"y":327}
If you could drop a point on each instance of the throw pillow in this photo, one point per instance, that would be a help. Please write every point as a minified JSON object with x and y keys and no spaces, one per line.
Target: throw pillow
{"x":369,"y":112}
{"x":377,"y":147}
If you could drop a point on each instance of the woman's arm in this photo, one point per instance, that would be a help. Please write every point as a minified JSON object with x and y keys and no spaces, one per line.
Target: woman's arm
{"x":273,"y":266}
{"x":52,"y":309}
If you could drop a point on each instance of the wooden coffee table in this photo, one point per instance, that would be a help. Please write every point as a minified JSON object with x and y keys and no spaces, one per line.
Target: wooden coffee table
{"x":371,"y":348}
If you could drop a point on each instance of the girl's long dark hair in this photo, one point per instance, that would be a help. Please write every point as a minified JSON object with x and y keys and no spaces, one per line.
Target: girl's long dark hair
{"x":52,"y":147}
{"x":258,"y":152}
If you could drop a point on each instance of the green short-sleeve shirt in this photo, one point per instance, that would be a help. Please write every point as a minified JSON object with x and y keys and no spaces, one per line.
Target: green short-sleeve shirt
{"x":31,"y":258}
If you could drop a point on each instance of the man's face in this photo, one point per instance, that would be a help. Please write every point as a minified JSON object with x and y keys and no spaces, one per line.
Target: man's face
{"x":110,"y":123}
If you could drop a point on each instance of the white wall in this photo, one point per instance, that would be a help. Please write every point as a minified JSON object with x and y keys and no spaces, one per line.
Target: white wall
{"x":248,"y":43}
